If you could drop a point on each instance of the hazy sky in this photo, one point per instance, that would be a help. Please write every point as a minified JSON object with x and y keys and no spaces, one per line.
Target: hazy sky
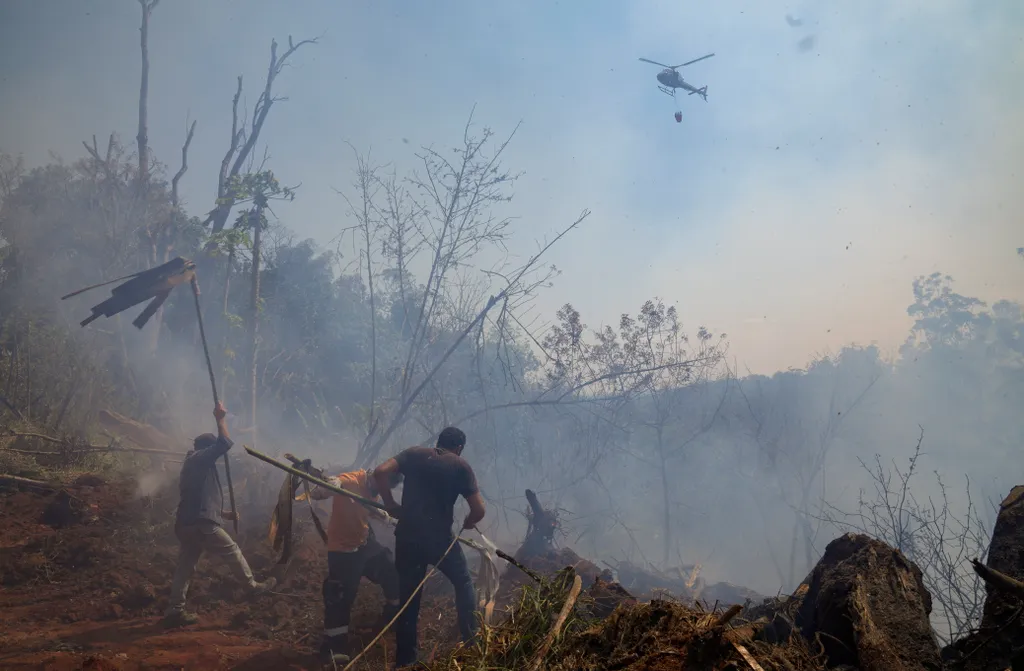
{"x":791,"y":211}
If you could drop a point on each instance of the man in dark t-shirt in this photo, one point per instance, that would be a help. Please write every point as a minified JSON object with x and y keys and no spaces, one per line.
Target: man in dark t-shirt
{"x":197,"y":523}
{"x":434,"y":480}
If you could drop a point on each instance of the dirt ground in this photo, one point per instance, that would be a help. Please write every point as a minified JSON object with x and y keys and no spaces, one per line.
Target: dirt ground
{"x":84,"y":579}
{"x":85,"y":573}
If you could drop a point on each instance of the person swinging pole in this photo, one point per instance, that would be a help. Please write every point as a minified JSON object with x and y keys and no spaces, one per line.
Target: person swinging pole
{"x":197,"y":523}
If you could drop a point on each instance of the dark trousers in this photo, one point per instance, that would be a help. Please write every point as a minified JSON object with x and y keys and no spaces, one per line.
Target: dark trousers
{"x":344,"y":570}
{"x":412,"y":555}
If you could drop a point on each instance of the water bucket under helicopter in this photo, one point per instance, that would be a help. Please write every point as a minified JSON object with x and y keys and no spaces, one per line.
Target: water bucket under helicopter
{"x":679,"y":117}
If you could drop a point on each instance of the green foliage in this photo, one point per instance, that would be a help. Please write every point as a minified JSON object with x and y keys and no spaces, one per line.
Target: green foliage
{"x":228,"y":240}
{"x":942,"y":316}
{"x":258,"y":188}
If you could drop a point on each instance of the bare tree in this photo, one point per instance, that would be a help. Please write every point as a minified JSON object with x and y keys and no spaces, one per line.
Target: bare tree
{"x":520,"y":285}
{"x":369,"y":220}
{"x":143,"y":135}
{"x":928,"y":532}
{"x":648,"y":370}
{"x":796,"y":448}
{"x":655,"y":340}
{"x":259,"y":188}
{"x":445,"y":215}
{"x":244,"y":139}
{"x":11,"y":170}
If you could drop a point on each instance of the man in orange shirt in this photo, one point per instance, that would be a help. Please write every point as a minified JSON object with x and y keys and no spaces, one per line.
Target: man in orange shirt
{"x":352,"y":552}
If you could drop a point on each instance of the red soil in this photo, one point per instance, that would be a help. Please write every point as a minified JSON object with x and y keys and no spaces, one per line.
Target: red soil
{"x":86,"y":590}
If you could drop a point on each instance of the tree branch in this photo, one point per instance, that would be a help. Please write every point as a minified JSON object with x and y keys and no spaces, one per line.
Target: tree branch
{"x":184,"y":165}
{"x":998,"y":581}
{"x":514,"y":284}
{"x":225,"y":200}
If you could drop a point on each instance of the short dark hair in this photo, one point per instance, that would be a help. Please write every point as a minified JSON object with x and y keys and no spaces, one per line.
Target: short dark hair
{"x":204,"y":441}
{"x":451,"y":439}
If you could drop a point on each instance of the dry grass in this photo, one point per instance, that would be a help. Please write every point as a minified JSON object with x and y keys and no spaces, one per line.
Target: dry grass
{"x":653,"y":636}
{"x":514,"y":643}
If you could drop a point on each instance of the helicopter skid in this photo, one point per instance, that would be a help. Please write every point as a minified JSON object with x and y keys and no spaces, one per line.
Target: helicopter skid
{"x":667,"y":91}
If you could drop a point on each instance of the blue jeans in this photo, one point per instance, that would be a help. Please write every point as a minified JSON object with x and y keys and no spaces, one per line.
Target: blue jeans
{"x":412,"y":555}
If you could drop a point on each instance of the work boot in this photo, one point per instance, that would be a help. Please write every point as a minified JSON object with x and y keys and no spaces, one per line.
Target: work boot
{"x":179,"y":618}
{"x":335,"y":650}
{"x":264,"y":587}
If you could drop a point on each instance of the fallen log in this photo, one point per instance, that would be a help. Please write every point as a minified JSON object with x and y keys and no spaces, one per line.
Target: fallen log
{"x":96,"y":449}
{"x":29,"y":434}
{"x":26,"y":482}
{"x":998,"y":581}
{"x":139,"y":433}
{"x":85,"y":447}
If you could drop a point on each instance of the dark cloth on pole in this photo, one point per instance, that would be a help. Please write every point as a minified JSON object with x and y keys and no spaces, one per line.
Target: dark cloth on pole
{"x":155,"y":283}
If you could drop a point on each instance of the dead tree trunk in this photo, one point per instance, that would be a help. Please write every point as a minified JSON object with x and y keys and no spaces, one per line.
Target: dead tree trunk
{"x":997,"y":643}
{"x":542,"y":528}
{"x":143,"y":135}
{"x":142,"y":138}
{"x":225,"y":318}
{"x":666,"y":499}
{"x":242,"y":142}
{"x":254,"y":312}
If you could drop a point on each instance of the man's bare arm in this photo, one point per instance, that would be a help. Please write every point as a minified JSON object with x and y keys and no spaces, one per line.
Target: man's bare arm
{"x":477,"y":510}
{"x":382,"y":477}
{"x":220,"y":414}
{"x":210,"y":455}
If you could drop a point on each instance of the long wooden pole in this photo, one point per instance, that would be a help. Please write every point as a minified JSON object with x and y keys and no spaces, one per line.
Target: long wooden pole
{"x":372,"y":504}
{"x":313,"y":479}
{"x":216,"y":399}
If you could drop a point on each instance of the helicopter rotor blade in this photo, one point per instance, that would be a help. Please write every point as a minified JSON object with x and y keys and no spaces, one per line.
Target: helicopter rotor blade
{"x":645,"y":60}
{"x":690,"y":62}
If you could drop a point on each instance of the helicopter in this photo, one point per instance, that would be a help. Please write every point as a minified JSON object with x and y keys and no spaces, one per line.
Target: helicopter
{"x":670,"y":80}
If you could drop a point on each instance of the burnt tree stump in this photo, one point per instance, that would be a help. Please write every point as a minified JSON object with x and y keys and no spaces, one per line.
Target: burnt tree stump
{"x":867,"y":605}
{"x":541,"y":533}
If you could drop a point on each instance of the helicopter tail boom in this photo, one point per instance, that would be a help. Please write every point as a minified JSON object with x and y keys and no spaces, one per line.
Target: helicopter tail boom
{"x":702,"y":92}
